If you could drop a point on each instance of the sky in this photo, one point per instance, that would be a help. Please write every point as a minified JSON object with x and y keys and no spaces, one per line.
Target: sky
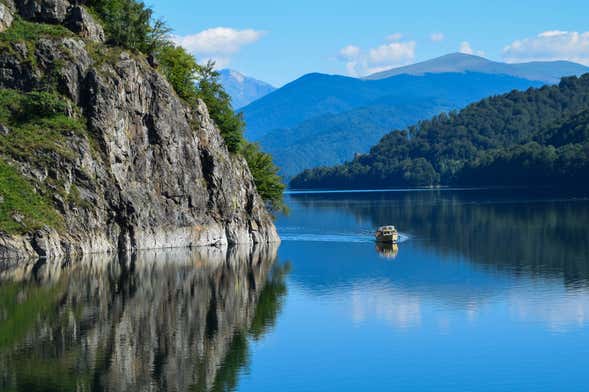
{"x":279,"y":41}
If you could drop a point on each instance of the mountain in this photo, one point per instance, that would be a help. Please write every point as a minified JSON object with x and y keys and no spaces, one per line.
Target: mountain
{"x":323,"y":120}
{"x":98,"y":153}
{"x":315,"y":95}
{"x":546,"y":71}
{"x":243,"y":89}
{"x":537,"y":137}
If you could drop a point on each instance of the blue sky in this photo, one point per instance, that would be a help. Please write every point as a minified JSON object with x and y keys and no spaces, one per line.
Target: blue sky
{"x":278,"y":41}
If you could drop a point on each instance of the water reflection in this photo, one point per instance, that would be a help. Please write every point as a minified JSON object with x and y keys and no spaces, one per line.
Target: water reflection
{"x":539,"y":233}
{"x":173,"y":320}
{"x":388,"y":251}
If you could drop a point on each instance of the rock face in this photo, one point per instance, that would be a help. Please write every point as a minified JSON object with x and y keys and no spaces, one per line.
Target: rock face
{"x":6,"y":16}
{"x":149,"y":173}
{"x":80,"y":21}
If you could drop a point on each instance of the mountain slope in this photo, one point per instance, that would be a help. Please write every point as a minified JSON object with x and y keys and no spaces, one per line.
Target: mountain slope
{"x":534,"y":137}
{"x":400,"y":101}
{"x":316,"y":95}
{"x":243,"y":89}
{"x":546,"y":71}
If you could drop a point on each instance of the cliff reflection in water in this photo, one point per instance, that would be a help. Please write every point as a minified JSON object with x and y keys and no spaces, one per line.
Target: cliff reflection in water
{"x":542,"y":233}
{"x":173,"y":320}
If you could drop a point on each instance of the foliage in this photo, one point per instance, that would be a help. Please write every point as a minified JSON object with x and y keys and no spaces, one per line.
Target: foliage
{"x":130,"y":24}
{"x":219,"y":104}
{"x":489,"y":142}
{"x":265,"y":173}
{"x":181,"y":69}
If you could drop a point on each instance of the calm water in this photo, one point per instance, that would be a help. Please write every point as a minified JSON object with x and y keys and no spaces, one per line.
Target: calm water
{"x":488,"y":291}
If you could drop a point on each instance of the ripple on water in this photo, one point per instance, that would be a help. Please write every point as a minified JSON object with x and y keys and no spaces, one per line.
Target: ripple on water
{"x":335,"y":237}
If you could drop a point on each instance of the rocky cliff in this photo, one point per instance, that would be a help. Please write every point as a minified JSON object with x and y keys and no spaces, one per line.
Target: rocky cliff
{"x":143,"y":171}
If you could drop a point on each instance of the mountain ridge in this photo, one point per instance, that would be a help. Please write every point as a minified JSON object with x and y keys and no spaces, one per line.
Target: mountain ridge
{"x":546,"y":71}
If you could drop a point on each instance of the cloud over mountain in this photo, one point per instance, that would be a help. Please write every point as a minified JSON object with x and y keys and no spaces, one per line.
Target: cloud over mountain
{"x":394,"y":53}
{"x":218,"y":43}
{"x":550,"y":45}
{"x":467,"y":49}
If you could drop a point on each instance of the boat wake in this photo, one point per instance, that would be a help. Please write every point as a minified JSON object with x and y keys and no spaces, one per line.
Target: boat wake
{"x":343,"y":237}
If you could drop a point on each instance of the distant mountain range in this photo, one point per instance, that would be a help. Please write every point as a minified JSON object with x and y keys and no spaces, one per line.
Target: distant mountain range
{"x":535,"y":138}
{"x":320,"y":119}
{"x":545,"y":71}
{"x":243,"y":89}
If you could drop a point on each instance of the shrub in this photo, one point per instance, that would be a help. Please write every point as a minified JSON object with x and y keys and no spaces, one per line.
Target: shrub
{"x":180,"y":68}
{"x":130,"y":24}
{"x":265,"y":173}
{"x":219,"y":104}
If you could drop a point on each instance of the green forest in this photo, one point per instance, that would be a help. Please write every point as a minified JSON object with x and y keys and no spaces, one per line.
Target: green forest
{"x":537,"y":137}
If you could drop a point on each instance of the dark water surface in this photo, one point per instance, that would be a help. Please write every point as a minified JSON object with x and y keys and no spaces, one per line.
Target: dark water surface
{"x":488,"y":291}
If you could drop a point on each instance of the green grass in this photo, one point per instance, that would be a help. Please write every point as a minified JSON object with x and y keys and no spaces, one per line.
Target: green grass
{"x":38,"y":125}
{"x":39,"y":129}
{"x":21,"y":30}
{"x":22,"y":209}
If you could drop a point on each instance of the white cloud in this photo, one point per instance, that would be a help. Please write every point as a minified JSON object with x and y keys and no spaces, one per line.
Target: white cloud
{"x":394,"y":37}
{"x":467,"y":49}
{"x":550,"y":45}
{"x":218,"y":43}
{"x":392,"y":53}
{"x":437,"y":37}
{"x":350,"y":52}
{"x":395,"y":53}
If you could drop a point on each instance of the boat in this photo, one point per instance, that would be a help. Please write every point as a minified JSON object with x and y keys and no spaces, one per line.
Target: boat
{"x":387,"y":234}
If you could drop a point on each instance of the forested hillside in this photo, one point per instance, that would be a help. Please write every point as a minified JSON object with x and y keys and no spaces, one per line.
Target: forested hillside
{"x":534,"y":137}
{"x":323,"y":120}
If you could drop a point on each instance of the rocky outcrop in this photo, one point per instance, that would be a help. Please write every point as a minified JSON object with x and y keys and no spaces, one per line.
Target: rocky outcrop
{"x":80,"y":21}
{"x":6,"y":16}
{"x":46,"y":11}
{"x":149,"y":171}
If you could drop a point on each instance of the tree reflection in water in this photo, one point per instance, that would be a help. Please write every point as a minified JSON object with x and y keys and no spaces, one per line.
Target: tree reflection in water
{"x":171,"y":320}
{"x":532,"y":232}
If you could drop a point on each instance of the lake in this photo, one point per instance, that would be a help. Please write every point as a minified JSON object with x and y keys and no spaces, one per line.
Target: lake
{"x":488,"y":290}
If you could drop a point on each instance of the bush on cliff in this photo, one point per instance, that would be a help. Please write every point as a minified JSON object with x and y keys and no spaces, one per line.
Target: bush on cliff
{"x":266,"y":177}
{"x":130,"y":24}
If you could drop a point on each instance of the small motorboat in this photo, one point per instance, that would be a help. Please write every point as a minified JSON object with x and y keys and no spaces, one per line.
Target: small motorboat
{"x":387,"y":234}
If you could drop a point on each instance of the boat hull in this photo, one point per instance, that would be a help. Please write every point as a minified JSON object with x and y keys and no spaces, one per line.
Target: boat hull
{"x":387,"y":238}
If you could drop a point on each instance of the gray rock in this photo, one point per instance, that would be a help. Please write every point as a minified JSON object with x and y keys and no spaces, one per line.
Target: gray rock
{"x":6,"y":17}
{"x":4,"y":130}
{"x":81,"y":22}
{"x":47,"y":11}
{"x":150,"y":173}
